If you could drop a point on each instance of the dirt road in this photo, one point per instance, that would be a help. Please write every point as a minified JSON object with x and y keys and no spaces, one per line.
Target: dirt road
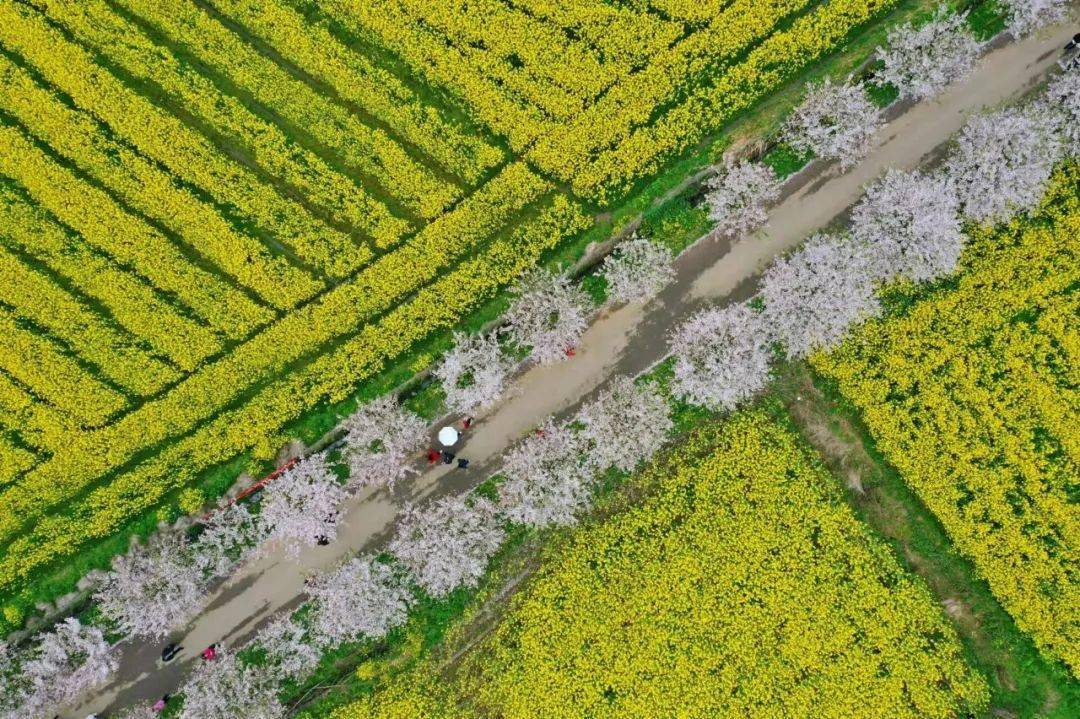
{"x":625,"y":340}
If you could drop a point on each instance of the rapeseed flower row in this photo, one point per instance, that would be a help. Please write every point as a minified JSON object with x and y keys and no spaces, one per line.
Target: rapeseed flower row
{"x":37,"y":298}
{"x":972,"y":395}
{"x":334,"y":193}
{"x":40,"y":426}
{"x":570,"y":149}
{"x":127,"y":238}
{"x":129,"y":300}
{"x":40,"y":366}
{"x":13,"y":460}
{"x":166,"y":139}
{"x":359,"y":80}
{"x":695,"y":12}
{"x":639,"y":143}
{"x":149,"y":189}
{"x":361,"y":148}
{"x":776,"y":60}
{"x":627,"y":36}
{"x":443,"y":65}
{"x":546,"y":54}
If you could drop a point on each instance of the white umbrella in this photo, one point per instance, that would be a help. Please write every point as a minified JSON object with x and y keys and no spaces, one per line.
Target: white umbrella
{"x":448,"y":436}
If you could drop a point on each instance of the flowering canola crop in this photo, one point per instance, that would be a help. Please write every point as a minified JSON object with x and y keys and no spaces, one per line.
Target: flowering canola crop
{"x":973,"y":395}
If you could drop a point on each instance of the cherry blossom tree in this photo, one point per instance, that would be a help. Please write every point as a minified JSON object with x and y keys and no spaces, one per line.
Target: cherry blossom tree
{"x":812,"y":296}
{"x":1061,"y":104}
{"x":738,"y":195}
{"x":625,"y":425}
{"x":227,"y":687}
{"x":153,"y":589}
{"x":301,"y":505}
{"x":69,"y":661}
{"x":1002,"y":162}
{"x":910,"y":224}
{"x":229,"y":538}
{"x":9,"y":690}
{"x":292,"y":650}
{"x":921,"y":61}
{"x":363,"y":598}
{"x":473,"y":374}
{"x":1026,"y":16}
{"x":637,"y":270}
{"x":834,"y":121}
{"x":447,"y":544}
{"x":549,"y":315}
{"x":546,"y":478}
{"x":380,"y":440}
{"x":721,"y":357}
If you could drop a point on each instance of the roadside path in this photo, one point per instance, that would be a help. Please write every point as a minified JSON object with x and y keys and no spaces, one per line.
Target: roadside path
{"x":622,"y":341}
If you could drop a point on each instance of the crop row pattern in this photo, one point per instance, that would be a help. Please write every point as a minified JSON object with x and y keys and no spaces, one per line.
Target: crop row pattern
{"x":376,"y":289}
{"x":358,"y":79}
{"x":163,"y":137}
{"x":330,"y":377}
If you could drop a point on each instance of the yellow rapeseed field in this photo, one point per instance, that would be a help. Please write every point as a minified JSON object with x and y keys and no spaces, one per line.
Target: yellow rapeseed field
{"x":974,"y":394}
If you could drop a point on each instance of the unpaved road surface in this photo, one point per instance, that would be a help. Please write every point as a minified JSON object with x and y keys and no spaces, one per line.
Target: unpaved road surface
{"x":625,"y":340}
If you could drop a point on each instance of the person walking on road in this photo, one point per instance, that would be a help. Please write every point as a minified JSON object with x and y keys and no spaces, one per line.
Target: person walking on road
{"x":159,"y":705}
{"x":170,"y":651}
{"x":210,"y":653}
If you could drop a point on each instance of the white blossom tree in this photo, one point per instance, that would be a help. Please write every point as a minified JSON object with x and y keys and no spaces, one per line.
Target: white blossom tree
{"x":69,"y":661}
{"x":738,"y":195}
{"x":153,"y":589}
{"x":812,"y":296}
{"x":138,"y":712}
{"x":909,"y":223}
{"x":447,"y":543}
{"x":301,"y":505}
{"x":721,"y":357}
{"x":625,"y":425}
{"x":10,"y":691}
{"x":1026,"y":16}
{"x":549,"y":315}
{"x":381,"y":438}
{"x":229,"y":538}
{"x":920,"y":61}
{"x":833,"y":121}
{"x":363,"y":598}
{"x":1061,"y":105}
{"x":1002,"y":162}
{"x":473,"y":374}
{"x":637,"y":270}
{"x":227,"y":687}
{"x":546,"y":478}
{"x":292,"y":650}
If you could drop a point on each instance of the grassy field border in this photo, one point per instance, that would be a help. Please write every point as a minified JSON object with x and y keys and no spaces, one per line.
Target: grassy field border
{"x":1021,"y":679}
